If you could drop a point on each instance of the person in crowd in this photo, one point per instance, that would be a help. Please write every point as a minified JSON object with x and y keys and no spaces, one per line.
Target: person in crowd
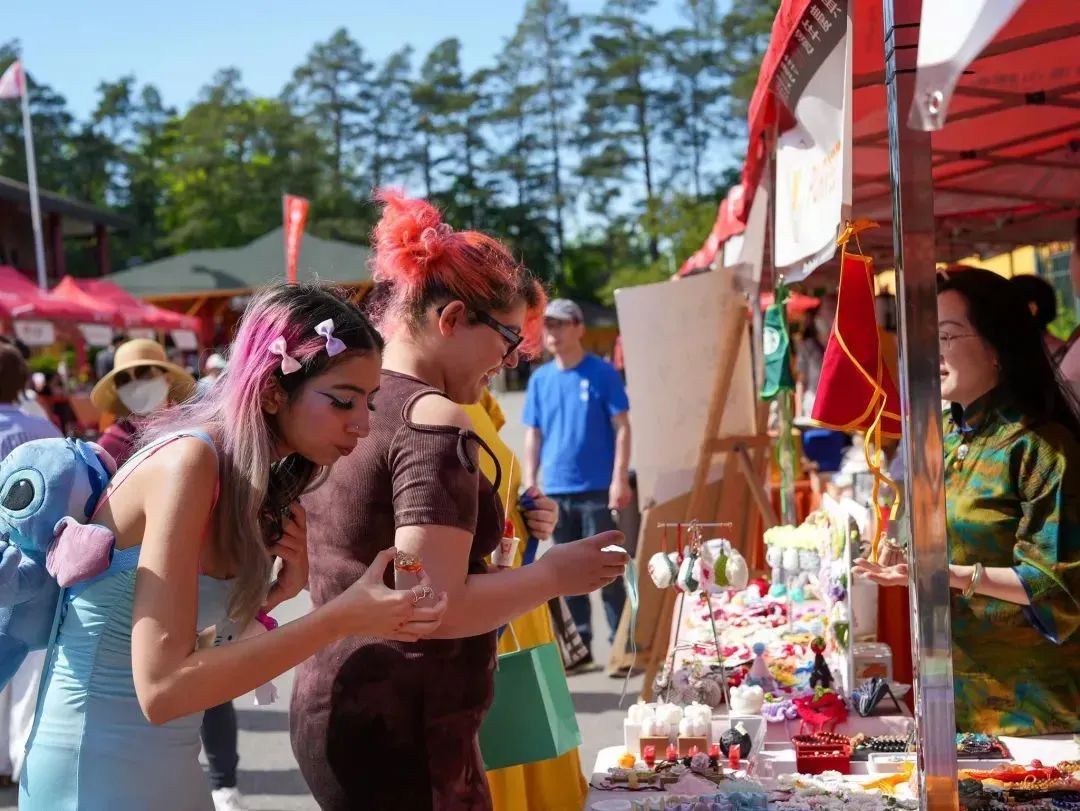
{"x":1012,"y":499}
{"x":578,"y":436}
{"x":141,"y":382}
{"x":18,"y":697}
{"x":103,"y":362}
{"x":213,"y":368}
{"x":28,"y":400}
{"x":1069,"y":365}
{"x":1041,"y":300}
{"x":377,"y":724}
{"x":550,"y":785}
{"x":809,"y":356}
{"x":203,"y":515}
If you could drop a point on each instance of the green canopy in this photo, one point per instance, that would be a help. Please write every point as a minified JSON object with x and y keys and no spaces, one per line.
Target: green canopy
{"x":249,"y":266}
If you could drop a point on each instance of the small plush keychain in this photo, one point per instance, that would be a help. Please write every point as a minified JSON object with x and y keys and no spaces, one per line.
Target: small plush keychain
{"x":759,"y":671}
{"x":689,"y":576}
{"x":663,"y":569}
{"x":820,"y":676}
{"x":664,"y":566}
{"x":505,"y":553}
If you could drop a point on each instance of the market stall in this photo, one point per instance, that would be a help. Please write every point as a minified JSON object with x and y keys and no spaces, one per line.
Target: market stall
{"x":830,"y":144}
{"x":137,"y":319}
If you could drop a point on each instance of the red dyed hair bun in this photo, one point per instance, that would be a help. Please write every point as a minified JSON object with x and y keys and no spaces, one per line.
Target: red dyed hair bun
{"x":409,"y":238}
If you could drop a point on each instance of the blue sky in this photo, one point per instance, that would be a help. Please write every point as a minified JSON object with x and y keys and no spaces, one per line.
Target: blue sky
{"x":178,"y":46}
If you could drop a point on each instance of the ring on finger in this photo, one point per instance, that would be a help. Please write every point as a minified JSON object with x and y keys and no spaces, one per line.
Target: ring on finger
{"x":421,"y":592}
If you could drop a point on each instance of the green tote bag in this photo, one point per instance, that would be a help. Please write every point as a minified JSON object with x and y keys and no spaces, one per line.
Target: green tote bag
{"x":532,"y":717}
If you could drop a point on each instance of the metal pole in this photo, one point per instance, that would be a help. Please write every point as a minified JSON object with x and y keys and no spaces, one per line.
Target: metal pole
{"x":31,"y":177}
{"x":920,"y":388}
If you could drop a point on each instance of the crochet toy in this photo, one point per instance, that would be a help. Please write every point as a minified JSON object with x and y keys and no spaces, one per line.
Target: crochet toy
{"x":48,"y":490}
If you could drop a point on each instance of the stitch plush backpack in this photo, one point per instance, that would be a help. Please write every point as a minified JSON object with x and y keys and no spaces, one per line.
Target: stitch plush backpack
{"x":48,"y":490}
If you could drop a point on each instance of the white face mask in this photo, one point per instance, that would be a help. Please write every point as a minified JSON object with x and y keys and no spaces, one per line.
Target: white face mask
{"x":143,"y":396}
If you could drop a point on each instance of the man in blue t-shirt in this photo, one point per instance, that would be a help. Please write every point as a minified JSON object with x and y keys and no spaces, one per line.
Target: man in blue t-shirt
{"x":578,"y":421}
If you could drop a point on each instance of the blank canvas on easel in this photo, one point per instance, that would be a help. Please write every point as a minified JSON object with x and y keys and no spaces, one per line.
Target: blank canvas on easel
{"x":670,"y":338}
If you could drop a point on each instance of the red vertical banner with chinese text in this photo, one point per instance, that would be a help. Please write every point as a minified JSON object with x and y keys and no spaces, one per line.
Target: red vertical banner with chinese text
{"x":295,"y":212}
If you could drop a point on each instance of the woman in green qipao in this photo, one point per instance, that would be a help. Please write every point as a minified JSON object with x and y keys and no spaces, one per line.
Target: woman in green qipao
{"x":1012,"y":493}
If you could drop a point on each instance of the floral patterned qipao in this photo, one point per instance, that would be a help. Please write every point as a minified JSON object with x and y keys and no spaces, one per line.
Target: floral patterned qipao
{"x":1012,"y":489}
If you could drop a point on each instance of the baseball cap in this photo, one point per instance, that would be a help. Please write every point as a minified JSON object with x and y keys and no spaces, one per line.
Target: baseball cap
{"x":563,"y":309}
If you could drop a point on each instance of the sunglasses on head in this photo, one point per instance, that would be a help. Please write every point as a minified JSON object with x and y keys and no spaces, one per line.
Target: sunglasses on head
{"x":138,"y":373}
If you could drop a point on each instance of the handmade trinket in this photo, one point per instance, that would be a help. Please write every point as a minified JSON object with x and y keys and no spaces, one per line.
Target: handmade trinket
{"x":503,"y":556}
{"x":738,"y":738}
{"x":820,"y":676}
{"x":407,"y":562}
{"x":663,"y":569}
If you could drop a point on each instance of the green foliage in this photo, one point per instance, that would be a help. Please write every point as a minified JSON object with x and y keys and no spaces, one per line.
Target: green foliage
{"x":1066,"y":322}
{"x":597,"y":147}
{"x":46,"y":364}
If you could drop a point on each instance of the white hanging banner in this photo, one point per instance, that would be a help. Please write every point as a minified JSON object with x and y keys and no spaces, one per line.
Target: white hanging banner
{"x":142,"y":332}
{"x":813,"y":159}
{"x":745,"y":253}
{"x":96,"y":334}
{"x":35,"y":333}
{"x":185,"y":339}
{"x":951,"y":36}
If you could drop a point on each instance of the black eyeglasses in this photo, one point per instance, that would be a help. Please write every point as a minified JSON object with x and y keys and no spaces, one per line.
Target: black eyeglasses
{"x":513,"y":338}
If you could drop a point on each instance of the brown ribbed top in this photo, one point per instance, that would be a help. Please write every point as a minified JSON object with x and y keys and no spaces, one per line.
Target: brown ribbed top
{"x":379,"y":724}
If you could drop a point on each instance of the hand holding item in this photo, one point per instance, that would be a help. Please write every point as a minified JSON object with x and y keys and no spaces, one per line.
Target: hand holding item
{"x":541,"y":513}
{"x":369,"y":608}
{"x":291,"y":550}
{"x":584,"y":566}
{"x":882,"y":575}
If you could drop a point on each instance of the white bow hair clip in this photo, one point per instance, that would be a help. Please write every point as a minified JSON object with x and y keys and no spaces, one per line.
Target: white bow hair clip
{"x":289,"y":364}
{"x":334,"y":346}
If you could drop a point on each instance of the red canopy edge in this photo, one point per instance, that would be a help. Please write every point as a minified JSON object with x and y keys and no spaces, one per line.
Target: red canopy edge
{"x":730,"y":221}
{"x":21,"y":299}
{"x":1007,"y":163}
{"x":123,"y":308}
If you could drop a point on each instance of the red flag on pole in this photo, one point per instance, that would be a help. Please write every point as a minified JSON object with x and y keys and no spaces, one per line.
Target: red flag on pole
{"x":13,"y":82}
{"x":295,"y":213}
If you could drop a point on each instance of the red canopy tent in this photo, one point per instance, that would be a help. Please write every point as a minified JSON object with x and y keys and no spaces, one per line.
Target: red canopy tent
{"x":1006,"y":165}
{"x":123,"y":308}
{"x":1003,"y":171}
{"x":21,"y":299}
{"x":797,"y":303}
{"x":730,"y":220}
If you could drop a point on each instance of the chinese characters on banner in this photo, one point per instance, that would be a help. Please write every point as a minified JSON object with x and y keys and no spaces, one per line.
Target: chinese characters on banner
{"x":813,"y":158}
{"x":295,"y":213}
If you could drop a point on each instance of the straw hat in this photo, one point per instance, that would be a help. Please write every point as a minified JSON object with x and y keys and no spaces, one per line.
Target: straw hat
{"x":131,"y":355}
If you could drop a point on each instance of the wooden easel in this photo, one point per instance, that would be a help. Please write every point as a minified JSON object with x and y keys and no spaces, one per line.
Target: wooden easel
{"x":746,"y":457}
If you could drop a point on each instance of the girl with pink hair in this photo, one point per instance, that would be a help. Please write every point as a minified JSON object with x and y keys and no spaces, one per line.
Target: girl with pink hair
{"x":199,"y":515}
{"x":384,"y":724}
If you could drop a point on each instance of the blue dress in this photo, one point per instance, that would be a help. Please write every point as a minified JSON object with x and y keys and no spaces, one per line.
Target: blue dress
{"x":92,"y":748}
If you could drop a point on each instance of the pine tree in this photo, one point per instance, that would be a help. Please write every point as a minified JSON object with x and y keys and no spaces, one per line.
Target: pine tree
{"x":393,"y":120}
{"x":622,"y":105}
{"x":695,"y":110}
{"x":332,"y":90}
{"x":546,"y":39}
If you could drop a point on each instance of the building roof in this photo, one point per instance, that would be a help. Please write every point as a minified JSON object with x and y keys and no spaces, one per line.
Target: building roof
{"x":237,"y":270}
{"x":79,"y":217}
